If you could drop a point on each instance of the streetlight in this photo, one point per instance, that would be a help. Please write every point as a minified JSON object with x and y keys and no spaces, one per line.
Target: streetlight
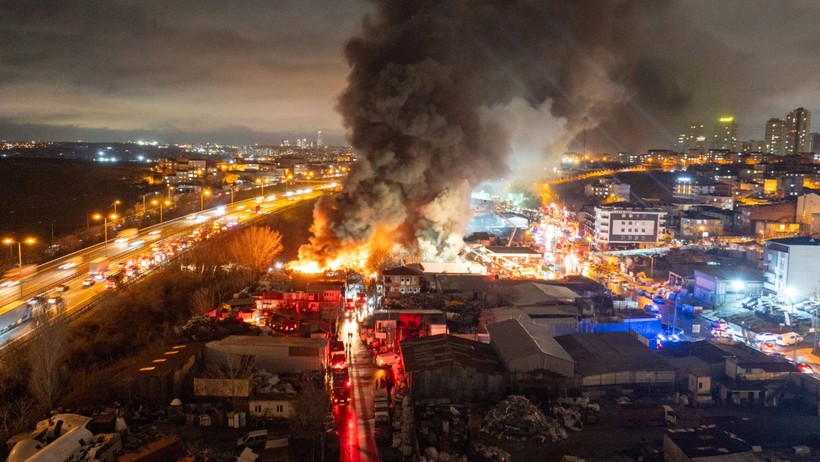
{"x":116,"y":203}
{"x":160,"y":203}
{"x":28,"y":240}
{"x":205,"y":192}
{"x":262,"y":181}
{"x":105,"y":218}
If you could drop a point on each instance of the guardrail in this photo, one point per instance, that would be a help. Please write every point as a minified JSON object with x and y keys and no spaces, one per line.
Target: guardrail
{"x":18,"y":343}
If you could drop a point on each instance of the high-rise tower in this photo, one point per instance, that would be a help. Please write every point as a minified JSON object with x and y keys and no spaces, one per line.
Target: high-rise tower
{"x":320,"y":140}
{"x":774,"y":136}
{"x":724,"y":135}
{"x":796,"y":133}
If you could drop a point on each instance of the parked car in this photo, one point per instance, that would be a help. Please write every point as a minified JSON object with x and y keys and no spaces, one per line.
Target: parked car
{"x":749,"y":302}
{"x":805,"y":368}
{"x":768,"y":348}
{"x":658,"y":299}
{"x":720,"y":324}
{"x":386,"y":359}
{"x":254,"y":440}
{"x":765,"y":337}
{"x":789,"y":338}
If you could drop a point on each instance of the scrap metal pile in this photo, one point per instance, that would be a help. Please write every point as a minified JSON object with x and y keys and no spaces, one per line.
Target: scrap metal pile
{"x":517,"y":418}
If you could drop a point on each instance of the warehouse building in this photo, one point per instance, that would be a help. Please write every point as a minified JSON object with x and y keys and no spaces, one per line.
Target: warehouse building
{"x":616,"y":359}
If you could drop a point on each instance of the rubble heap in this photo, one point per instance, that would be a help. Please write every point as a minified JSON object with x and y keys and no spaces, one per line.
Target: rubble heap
{"x":517,"y":418}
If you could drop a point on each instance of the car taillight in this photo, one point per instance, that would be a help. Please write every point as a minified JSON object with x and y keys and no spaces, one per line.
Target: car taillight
{"x":348,"y":383}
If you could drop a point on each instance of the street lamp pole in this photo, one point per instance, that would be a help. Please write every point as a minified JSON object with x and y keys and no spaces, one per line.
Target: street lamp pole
{"x":20,"y":265}
{"x":10,"y":242}
{"x":113,"y":216}
{"x":160,"y":203}
{"x":205,"y":192}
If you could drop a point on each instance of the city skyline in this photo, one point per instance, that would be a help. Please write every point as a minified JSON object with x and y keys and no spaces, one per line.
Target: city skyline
{"x":259,"y":73}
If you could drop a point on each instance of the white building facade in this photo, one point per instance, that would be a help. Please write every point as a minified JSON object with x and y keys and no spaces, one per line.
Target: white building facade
{"x":619,"y":224}
{"x":791,"y":267}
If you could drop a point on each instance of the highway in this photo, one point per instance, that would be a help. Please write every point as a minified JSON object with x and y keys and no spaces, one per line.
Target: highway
{"x":54,"y":273}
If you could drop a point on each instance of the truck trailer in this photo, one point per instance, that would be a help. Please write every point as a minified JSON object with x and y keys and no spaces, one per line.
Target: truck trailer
{"x":13,"y":277}
{"x":638,"y":415}
{"x":14,"y":314}
{"x":98,"y":267}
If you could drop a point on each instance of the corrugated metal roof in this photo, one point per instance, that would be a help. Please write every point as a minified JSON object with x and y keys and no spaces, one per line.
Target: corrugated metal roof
{"x":611,"y":352}
{"x":540,"y":294}
{"x":443,"y":350}
{"x":515,"y":339}
{"x":263,"y":341}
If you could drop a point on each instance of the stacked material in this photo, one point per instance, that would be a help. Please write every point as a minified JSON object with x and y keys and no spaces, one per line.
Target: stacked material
{"x":517,"y":418}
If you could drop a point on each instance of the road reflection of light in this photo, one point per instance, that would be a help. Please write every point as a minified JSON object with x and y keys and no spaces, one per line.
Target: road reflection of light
{"x":347,"y":426}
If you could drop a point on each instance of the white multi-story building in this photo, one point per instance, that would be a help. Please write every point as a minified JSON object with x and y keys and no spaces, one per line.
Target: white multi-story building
{"x":629,"y":224}
{"x":792,"y":271}
{"x":609,"y":189}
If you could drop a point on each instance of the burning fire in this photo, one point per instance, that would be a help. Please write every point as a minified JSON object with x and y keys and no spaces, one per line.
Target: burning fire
{"x":352,"y":258}
{"x":364,"y":258}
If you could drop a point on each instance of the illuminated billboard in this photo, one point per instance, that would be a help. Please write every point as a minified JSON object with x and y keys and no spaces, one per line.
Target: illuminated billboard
{"x":632,"y":227}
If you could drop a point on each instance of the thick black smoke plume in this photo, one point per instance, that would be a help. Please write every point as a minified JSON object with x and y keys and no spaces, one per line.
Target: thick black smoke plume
{"x":426,"y":83}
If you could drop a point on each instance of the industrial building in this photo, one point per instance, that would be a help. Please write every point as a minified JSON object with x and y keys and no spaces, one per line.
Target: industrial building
{"x":525,"y":348}
{"x":446,"y":366}
{"x":276,"y":354}
{"x":616,"y":359}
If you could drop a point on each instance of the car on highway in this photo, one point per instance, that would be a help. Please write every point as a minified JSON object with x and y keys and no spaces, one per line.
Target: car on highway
{"x":765,"y":337}
{"x":805,"y":368}
{"x":386,"y":359}
{"x":62,"y":288}
{"x":88,"y":282}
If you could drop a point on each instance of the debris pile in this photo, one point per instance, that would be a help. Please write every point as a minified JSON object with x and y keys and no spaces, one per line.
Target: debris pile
{"x":491,"y":453}
{"x":445,"y":428}
{"x":265,"y":382}
{"x":199,"y":328}
{"x":517,"y":418}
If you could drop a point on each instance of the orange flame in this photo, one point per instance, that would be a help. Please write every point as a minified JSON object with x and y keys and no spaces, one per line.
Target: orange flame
{"x":364,"y":257}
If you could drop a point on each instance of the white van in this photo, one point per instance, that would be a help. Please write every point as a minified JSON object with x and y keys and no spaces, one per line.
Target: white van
{"x":254,"y":440}
{"x":789,"y":338}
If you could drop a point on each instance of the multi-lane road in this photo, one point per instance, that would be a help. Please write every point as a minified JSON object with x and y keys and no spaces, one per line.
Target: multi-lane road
{"x":61,"y":272}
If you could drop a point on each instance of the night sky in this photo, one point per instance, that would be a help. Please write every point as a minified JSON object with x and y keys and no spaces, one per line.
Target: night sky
{"x":259,"y":71}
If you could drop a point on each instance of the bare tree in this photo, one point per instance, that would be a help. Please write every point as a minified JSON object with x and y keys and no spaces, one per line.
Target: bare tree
{"x":234,"y":372}
{"x":46,"y":359}
{"x":255,"y":248}
{"x":203,"y":300}
{"x":309,"y":411}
